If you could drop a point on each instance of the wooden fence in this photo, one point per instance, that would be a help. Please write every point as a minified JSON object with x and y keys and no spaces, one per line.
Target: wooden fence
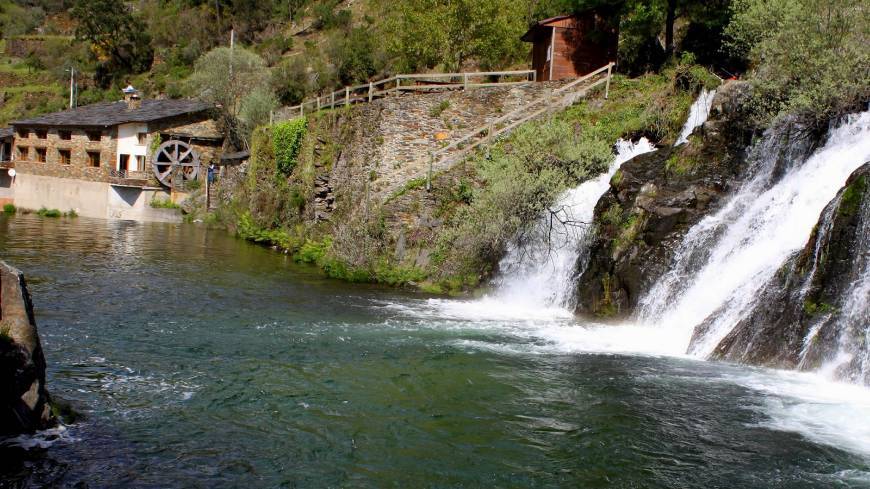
{"x":413,"y":83}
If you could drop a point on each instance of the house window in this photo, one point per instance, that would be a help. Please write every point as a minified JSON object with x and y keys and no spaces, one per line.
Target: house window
{"x":124,"y":163}
{"x":23,"y":133}
{"x":41,"y":133}
{"x":64,"y":156}
{"x":95,"y":135}
{"x":40,"y":154}
{"x":94,"y":159}
{"x":65,"y":135}
{"x":23,"y":153}
{"x":142,"y":136}
{"x":140,"y":163}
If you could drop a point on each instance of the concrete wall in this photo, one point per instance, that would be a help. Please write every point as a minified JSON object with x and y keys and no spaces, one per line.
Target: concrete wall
{"x":91,"y":199}
{"x":24,"y":400}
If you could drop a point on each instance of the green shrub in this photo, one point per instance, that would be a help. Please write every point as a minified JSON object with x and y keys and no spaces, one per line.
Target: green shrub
{"x":9,"y":209}
{"x":71,"y":213}
{"x":439,"y":109}
{"x":43,"y":212}
{"x":163,"y":204}
{"x":286,"y":140}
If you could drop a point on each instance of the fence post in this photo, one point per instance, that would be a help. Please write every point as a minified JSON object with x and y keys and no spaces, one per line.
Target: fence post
{"x":465,"y":81}
{"x":398,"y":83}
{"x":346,"y":96}
{"x":318,"y":103}
{"x":302,"y":109}
{"x":371,"y":91}
{"x":429,"y":175}
{"x":607,"y":85}
{"x":332,"y":103}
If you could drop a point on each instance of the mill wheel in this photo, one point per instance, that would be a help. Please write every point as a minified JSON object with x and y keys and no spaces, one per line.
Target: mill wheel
{"x":175,"y":163}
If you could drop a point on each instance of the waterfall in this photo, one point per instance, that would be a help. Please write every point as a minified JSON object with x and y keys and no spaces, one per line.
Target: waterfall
{"x":697,"y":114}
{"x":852,"y":359}
{"x":727,"y":258}
{"x":542,"y":271}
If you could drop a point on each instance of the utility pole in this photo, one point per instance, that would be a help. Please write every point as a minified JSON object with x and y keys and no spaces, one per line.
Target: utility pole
{"x":72,"y":87}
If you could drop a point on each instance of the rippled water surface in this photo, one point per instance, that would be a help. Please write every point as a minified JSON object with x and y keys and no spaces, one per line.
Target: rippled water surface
{"x":202,"y":361}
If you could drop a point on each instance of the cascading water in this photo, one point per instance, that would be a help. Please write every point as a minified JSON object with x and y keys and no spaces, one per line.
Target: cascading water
{"x":542,"y":271}
{"x":697,"y":114}
{"x":725,"y":260}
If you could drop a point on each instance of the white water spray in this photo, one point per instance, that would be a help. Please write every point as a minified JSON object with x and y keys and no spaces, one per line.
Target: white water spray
{"x":697,"y":114}
{"x":750,"y":238}
{"x":542,"y":273}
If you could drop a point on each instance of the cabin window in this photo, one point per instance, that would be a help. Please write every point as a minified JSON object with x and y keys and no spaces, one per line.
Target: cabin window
{"x":124,"y":163}
{"x":40,"y":154}
{"x":23,"y":133}
{"x":23,"y":153}
{"x":94,"y":159}
{"x":65,"y":156}
{"x":65,"y":135}
{"x":140,"y":163}
{"x":142,"y":136}
{"x":41,"y":133}
{"x":95,"y":135}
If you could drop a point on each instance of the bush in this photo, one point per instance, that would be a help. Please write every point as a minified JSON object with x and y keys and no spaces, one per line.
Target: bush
{"x":9,"y":209}
{"x":809,"y":57}
{"x":43,"y":212}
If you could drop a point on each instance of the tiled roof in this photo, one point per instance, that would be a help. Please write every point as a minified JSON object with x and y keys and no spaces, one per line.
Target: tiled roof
{"x":109,"y":114}
{"x":5,"y":132}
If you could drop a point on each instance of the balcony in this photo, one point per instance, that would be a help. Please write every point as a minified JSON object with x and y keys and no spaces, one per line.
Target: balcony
{"x":126,"y":178}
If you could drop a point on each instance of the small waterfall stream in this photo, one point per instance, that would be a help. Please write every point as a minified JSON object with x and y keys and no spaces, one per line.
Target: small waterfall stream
{"x":698,"y":114}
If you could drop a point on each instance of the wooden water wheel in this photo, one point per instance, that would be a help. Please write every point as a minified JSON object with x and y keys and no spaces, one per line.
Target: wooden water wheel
{"x":175,"y":163}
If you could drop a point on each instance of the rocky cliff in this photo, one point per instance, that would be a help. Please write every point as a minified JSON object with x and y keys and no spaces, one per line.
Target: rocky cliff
{"x":24,"y":400}
{"x":813,"y":310}
{"x":654,"y":199}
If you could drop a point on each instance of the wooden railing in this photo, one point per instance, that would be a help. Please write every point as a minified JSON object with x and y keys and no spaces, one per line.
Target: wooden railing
{"x":419,"y":82}
{"x":560,"y":97}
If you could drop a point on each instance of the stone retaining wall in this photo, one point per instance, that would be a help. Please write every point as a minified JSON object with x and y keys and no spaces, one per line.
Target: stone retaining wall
{"x":24,"y":400}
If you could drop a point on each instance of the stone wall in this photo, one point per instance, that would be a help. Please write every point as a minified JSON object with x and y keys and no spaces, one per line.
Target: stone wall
{"x":78,"y":145}
{"x":383,"y":145}
{"x":24,"y":400}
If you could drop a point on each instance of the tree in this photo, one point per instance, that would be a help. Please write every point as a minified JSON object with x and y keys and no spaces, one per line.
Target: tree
{"x":453,"y":32}
{"x":118,"y":39}
{"x":226,"y":77}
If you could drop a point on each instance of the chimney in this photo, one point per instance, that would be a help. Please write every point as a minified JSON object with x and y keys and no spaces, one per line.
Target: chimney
{"x":131,"y":96}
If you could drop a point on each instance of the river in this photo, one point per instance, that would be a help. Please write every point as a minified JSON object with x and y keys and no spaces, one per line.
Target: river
{"x":199,"y":360}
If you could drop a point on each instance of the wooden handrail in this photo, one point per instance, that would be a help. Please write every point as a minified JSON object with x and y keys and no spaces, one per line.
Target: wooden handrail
{"x":345,"y":94}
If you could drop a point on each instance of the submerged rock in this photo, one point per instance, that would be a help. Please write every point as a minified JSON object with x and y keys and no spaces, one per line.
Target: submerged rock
{"x":814,"y":313}
{"x":653,"y":201}
{"x":24,"y":400}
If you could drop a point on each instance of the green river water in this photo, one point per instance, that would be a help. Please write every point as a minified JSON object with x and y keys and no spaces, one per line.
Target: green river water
{"x":199,"y":360}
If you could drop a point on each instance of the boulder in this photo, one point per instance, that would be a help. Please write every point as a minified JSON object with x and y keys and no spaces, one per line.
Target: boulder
{"x":24,"y":400}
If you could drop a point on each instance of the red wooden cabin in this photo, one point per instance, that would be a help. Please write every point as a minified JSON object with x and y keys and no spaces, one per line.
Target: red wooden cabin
{"x":570,"y":46}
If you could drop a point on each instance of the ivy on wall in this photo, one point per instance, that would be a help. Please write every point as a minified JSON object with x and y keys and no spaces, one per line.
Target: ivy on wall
{"x":286,"y":141}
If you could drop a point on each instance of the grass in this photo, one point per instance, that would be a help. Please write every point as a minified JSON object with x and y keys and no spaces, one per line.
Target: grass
{"x":9,"y":209}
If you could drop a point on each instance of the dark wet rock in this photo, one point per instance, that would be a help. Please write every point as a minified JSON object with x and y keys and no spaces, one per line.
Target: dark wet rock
{"x":652,"y":202}
{"x":804,"y":320}
{"x":24,"y":400}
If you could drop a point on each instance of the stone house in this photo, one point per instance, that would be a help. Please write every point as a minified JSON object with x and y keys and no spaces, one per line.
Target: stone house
{"x":6,"y":137}
{"x":109,"y":159}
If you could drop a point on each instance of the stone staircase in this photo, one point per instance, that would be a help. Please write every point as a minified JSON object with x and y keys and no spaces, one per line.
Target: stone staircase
{"x":457,"y":148}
